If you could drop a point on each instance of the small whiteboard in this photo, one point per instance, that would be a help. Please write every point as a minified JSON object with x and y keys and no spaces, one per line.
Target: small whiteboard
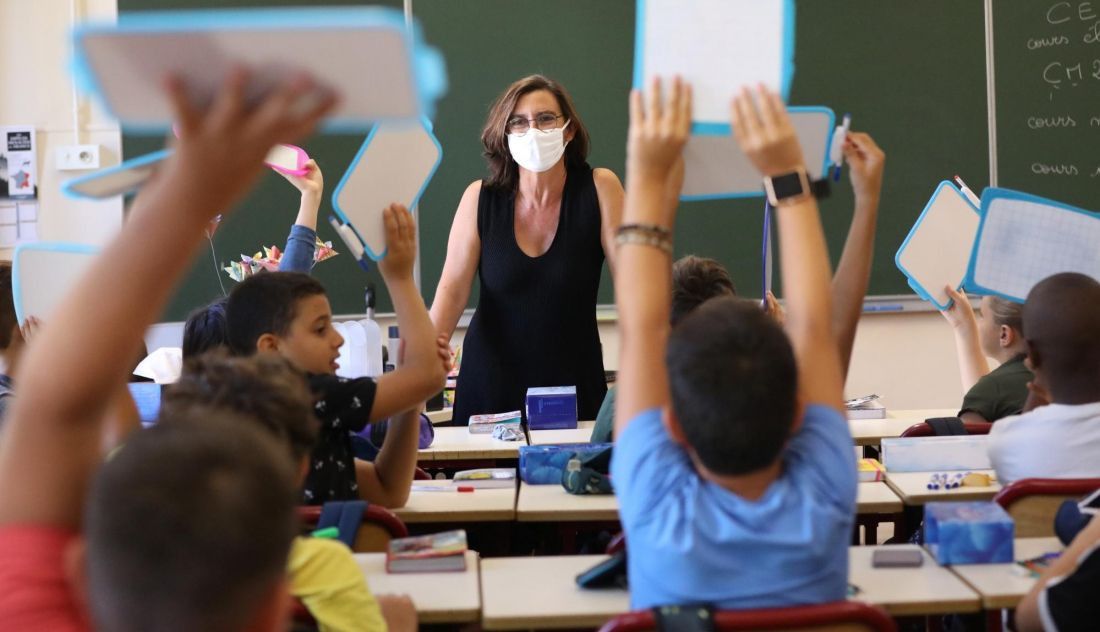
{"x":395,"y":164}
{"x":44,"y":272}
{"x":1024,"y":239}
{"x":121,"y":179}
{"x":936,"y":251}
{"x":716,"y":168}
{"x":717,"y":46}
{"x":363,"y":53}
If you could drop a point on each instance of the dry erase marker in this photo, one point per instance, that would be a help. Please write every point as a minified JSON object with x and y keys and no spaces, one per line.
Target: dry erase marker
{"x":837,"y":153}
{"x":968,"y":193}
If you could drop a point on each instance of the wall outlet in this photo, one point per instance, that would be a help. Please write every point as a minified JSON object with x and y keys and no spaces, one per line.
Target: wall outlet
{"x":77,"y":157}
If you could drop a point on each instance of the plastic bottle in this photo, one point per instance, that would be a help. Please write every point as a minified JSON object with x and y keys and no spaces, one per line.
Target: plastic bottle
{"x":373,"y":340}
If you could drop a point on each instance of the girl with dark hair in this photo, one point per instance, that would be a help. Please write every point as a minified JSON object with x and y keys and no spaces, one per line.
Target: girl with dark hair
{"x":536,"y":233}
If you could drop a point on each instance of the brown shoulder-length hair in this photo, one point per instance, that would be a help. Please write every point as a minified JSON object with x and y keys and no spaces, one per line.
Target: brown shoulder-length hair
{"x":503,"y":170}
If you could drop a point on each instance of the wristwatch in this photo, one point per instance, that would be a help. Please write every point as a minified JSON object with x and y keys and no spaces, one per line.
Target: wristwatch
{"x":788,"y":188}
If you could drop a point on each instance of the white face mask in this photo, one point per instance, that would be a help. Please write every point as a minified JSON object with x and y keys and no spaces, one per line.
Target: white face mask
{"x":538,"y":150}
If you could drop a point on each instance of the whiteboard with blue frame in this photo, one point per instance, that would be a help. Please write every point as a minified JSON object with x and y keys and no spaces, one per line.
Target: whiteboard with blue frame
{"x":717,"y":46}
{"x":937,"y":248}
{"x":352,"y":50}
{"x":1024,"y":238}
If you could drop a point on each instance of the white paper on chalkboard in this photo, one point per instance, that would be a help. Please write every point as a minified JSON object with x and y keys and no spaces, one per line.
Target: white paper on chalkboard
{"x":716,"y":168}
{"x":44,"y":272}
{"x":717,"y":46}
{"x":365,"y":54}
{"x":395,"y":164}
{"x":1024,"y":238}
{"x":936,"y":252}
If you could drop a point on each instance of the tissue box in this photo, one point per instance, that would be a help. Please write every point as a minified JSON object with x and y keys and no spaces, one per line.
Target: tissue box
{"x":936,"y":454}
{"x":543,"y":464}
{"x":552,"y":407}
{"x":969,"y":533}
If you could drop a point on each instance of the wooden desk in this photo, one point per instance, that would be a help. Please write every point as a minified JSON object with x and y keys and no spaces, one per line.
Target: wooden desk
{"x":877,"y":498}
{"x":927,"y":589}
{"x":581,"y":434}
{"x":912,"y":487}
{"x":873,"y":431}
{"x":1004,"y":585}
{"x":439,"y":416}
{"x":480,"y":505}
{"x":551,"y":503}
{"x":455,"y":443}
{"x":540,"y":593}
{"x":439,"y":597}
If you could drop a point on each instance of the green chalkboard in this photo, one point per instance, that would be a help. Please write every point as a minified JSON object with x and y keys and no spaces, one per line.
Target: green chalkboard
{"x":912,"y":74}
{"x":1047,"y":74}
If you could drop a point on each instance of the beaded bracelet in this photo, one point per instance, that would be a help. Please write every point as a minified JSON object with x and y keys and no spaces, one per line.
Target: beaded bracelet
{"x":645,"y":235}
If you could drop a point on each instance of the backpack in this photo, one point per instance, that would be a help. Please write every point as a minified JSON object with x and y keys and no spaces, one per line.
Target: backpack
{"x":588,"y":473}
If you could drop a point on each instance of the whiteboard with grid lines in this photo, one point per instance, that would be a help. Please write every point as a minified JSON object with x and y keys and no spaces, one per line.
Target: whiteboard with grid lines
{"x":1023,"y":239}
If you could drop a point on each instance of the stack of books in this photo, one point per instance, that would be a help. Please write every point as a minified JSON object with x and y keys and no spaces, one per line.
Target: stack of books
{"x":428,"y":553}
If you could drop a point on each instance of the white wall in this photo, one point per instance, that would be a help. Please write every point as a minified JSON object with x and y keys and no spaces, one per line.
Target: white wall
{"x":35,"y":89}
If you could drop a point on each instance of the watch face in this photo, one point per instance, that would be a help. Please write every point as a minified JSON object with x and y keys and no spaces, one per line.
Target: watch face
{"x":787,"y":185}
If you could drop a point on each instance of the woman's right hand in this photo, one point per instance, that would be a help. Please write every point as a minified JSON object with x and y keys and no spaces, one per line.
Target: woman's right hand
{"x":959,"y":314}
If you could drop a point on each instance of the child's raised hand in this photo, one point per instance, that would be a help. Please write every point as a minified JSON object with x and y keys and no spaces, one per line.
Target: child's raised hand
{"x":400,"y":243}
{"x":764,"y":131}
{"x":30,"y":328}
{"x":658,"y":130}
{"x":866,"y":162}
{"x":312,"y":184}
{"x":773,"y":309}
{"x":960,"y":313}
{"x":221,"y":147}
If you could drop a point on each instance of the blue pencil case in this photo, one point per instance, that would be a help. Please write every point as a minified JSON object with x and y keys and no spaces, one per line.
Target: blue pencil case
{"x":544,"y":464}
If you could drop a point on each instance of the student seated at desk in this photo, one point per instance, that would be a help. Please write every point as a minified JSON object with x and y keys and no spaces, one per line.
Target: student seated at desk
{"x":697,"y":279}
{"x":998,"y":334}
{"x":288,"y":313}
{"x":265,"y":391}
{"x":1064,"y":598}
{"x":188,"y":526}
{"x":733,"y":466}
{"x":1060,"y":436}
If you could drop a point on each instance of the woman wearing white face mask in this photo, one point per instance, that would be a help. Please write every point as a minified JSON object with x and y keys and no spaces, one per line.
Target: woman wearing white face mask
{"x":536,"y":233}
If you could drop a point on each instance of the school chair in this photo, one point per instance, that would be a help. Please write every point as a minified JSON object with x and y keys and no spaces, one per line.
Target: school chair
{"x":377,"y":527}
{"x":1033,"y":502}
{"x":617,"y":543}
{"x":839,"y":616}
{"x":928,"y":428}
{"x":420,"y":474}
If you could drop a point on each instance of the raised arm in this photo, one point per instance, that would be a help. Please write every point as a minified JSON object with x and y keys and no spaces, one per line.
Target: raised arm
{"x":463,"y":255}
{"x":866,"y":162}
{"x":83,"y":354}
{"x":655,"y":165}
{"x":763,"y":129}
{"x":972,"y":361}
{"x":421,"y":375}
{"x":301,"y":244}
{"x":610,"y":193}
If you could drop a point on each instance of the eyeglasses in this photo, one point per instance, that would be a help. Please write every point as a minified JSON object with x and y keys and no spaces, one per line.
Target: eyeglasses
{"x":543,"y":121}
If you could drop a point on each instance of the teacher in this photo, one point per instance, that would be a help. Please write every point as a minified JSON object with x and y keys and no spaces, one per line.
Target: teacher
{"x":536,"y":232}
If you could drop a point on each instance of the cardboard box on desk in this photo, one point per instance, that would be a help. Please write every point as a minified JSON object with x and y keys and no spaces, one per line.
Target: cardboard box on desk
{"x":969,"y":533}
{"x":935,"y":454}
{"x":552,"y":408}
{"x":544,"y":464}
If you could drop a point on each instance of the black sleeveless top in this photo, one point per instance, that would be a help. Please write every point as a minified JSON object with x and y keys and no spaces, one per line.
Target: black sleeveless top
{"x":535,"y":323}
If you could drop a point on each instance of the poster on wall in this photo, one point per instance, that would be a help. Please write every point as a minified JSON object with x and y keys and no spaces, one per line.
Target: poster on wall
{"x":17,"y":163}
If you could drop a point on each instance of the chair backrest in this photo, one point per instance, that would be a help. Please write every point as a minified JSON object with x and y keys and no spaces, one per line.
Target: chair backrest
{"x":840,"y":616}
{"x":420,"y":474}
{"x":1033,"y":502}
{"x":924,"y":429}
{"x":379,"y":526}
{"x":617,"y":543}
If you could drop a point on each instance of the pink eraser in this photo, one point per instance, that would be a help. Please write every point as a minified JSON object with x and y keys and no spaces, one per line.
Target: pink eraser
{"x":288,"y":159}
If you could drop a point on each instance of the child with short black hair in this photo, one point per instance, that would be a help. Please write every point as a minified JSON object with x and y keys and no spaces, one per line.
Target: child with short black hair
{"x":998,"y":334}
{"x":11,"y":339}
{"x":188,"y":527}
{"x":1059,"y":436}
{"x":733,"y":462}
{"x":288,"y":313}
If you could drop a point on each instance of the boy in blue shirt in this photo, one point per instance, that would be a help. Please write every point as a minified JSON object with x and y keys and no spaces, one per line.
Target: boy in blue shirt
{"x":734,"y":466}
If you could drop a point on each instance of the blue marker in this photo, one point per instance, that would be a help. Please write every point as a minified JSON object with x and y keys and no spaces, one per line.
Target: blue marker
{"x":351,"y":240}
{"x":883,"y":308}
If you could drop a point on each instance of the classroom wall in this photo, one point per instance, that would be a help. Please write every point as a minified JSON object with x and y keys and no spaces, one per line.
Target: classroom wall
{"x":35,"y":89}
